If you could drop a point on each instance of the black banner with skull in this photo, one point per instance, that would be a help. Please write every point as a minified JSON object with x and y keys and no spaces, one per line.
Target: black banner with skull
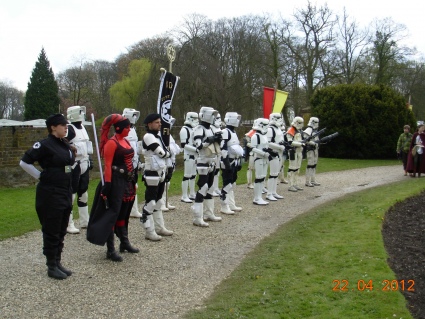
{"x":167,"y":87}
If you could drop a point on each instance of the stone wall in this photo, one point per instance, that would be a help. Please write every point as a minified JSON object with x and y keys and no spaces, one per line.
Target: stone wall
{"x":14,"y":141}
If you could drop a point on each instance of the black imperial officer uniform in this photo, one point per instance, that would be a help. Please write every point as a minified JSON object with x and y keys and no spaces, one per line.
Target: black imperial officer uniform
{"x":54,"y":192}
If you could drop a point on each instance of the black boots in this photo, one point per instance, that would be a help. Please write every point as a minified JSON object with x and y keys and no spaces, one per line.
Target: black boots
{"x":122,"y":233}
{"x":62,"y":268}
{"x":111,"y":252}
{"x":52,"y":269}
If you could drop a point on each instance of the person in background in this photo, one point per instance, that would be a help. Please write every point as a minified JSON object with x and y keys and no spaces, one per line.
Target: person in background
{"x":156,"y":161}
{"x":216,"y":128}
{"x":78,"y":137}
{"x":295,"y":152}
{"x":114,"y":199}
{"x":190,"y":156}
{"x":231,"y":163}
{"x":53,"y":199}
{"x":132,"y":115}
{"x":416,"y":158}
{"x":208,"y":145}
{"x":403,"y":146}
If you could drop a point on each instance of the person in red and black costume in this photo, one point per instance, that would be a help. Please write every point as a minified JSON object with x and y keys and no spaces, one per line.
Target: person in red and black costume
{"x":114,"y":199}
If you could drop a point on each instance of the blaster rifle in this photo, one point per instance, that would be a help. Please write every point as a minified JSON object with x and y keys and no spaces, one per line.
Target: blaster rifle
{"x":312,"y":136}
{"x":326,"y":139}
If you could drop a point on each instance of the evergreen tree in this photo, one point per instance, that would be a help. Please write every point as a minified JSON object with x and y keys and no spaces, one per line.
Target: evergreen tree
{"x":42,"y":96}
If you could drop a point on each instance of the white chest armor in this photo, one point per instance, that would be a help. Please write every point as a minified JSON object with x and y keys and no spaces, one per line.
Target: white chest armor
{"x":153,"y":162}
{"x":186,"y":135}
{"x":231,"y":139}
{"x":82,"y":143}
{"x":259,"y":141}
{"x":209,"y":151}
{"x":274,"y":134}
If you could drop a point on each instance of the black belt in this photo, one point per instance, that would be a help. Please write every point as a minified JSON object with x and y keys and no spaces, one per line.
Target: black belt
{"x":63,"y":169}
{"x":125,"y":173}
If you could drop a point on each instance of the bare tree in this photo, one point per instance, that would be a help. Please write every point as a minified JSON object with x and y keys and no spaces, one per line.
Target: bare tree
{"x":11,"y":102}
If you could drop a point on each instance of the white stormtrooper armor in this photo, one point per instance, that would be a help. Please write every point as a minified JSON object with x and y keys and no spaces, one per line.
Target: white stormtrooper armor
{"x":250,"y":157}
{"x":155,"y":157}
{"x":275,"y":139}
{"x":133,"y":115}
{"x":76,"y":115}
{"x":216,"y":128}
{"x":190,"y":155}
{"x":231,"y":155}
{"x":208,"y":148}
{"x":294,"y":137}
{"x":259,"y":144}
{"x":284,"y":156}
{"x":312,"y":151}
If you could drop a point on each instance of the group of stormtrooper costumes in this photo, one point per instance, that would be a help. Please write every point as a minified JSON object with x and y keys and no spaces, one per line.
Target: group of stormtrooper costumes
{"x":209,"y":148}
{"x":268,"y":144}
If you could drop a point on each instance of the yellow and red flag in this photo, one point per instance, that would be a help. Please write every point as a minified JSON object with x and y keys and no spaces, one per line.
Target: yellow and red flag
{"x":273,"y":101}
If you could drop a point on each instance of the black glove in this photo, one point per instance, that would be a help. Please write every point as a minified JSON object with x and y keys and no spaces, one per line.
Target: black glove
{"x":91,"y":164}
{"x":106,"y":189}
{"x":217,"y":137}
{"x":210,"y":139}
{"x":168,"y":176}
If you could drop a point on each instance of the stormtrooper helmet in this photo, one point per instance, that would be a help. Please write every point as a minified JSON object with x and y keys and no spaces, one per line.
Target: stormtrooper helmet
{"x":261,"y":125}
{"x":276,"y":119}
{"x":232,"y":119}
{"x":76,"y":113}
{"x":131,"y":114}
{"x":192,"y":119}
{"x":298,"y":122}
{"x":207,"y":114}
{"x":217,"y":121}
{"x":313,"y":122}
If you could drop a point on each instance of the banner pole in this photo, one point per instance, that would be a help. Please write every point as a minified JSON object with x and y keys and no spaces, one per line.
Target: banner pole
{"x":97,"y":149}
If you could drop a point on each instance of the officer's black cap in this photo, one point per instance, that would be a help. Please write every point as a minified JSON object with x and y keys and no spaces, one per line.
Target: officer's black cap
{"x":151,"y":117}
{"x":56,"y":119}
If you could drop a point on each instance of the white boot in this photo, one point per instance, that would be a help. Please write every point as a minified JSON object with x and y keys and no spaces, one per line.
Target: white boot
{"x":270,"y":185}
{"x":209,"y":211}
{"x":84,"y":216}
{"x":216,"y":190}
{"x":192,"y":193}
{"x":185,"y":198}
{"x":313,"y":177}
{"x":274,"y":185}
{"x":159,"y":224}
{"x":258,"y":200}
{"x":71,"y":229}
{"x":308,"y":178}
{"x":198,"y":219}
{"x":231,"y":201}
{"x":297,"y":173}
{"x":291,"y":176}
{"x":225,"y":209}
{"x":135,"y":209}
{"x":150,"y":230}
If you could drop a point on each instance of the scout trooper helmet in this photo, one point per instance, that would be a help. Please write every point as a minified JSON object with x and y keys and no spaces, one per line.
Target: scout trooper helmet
{"x":217,"y":120}
{"x":276,"y":119}
{"x":76,"y":113}
{"x":232,"y":119}
{"x":298,"y":122}
{"x":261,"y":125}
{"x":192,"y":119}
{"x":207,"y":114}
{"x":313,"y":122}
{"x":131,"y":114}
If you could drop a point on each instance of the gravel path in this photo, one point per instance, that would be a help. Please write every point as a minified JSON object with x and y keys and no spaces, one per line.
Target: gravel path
{"x":166,"y":278}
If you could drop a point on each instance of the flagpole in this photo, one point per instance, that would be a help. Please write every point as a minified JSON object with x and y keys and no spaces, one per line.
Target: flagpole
{"x":171,"y":55}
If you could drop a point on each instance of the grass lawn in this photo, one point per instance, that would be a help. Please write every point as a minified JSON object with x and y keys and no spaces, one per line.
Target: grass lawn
{"x":327,"y":263}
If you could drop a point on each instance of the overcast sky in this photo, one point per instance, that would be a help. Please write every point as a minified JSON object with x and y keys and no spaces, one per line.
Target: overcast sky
{"x":103,"y":29}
